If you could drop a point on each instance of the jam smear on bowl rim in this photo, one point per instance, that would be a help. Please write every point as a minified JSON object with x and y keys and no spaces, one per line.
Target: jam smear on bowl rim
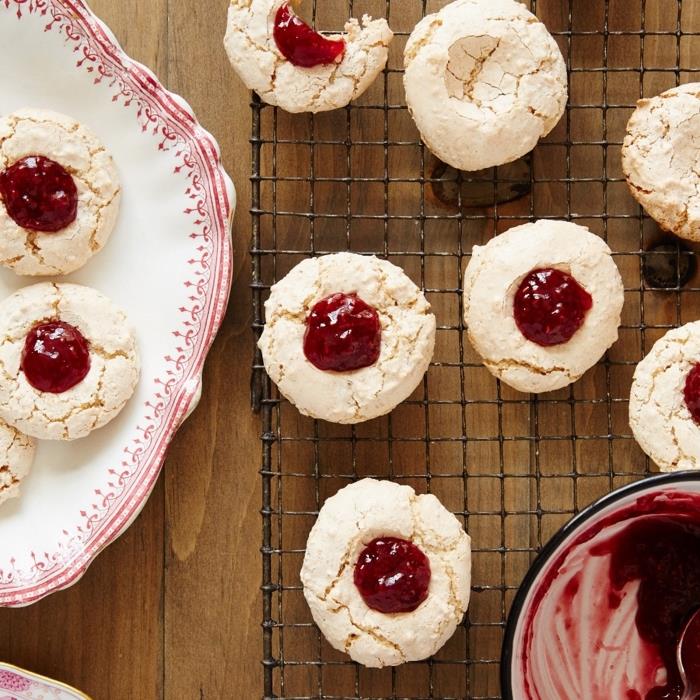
{"x":343,"y":333}
{"x":55,"y":357}
{"x":392,"y":575}
{"x":300,"y":44}
{"x":39,"y":194}
{"x":689,"y":653}
{"x":550,"y":306}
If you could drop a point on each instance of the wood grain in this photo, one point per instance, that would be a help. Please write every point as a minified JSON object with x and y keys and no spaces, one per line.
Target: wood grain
{"x":172,"y":609}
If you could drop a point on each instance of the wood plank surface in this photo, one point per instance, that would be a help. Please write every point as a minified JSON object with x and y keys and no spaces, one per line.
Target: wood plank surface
{"x":172,"y":609}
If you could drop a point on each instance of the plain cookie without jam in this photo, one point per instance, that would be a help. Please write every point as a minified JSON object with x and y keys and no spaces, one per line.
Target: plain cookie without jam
{"x":484,"y":82}
{"x":659,"y":158}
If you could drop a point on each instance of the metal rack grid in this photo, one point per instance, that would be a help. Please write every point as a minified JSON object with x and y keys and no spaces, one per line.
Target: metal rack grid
{"x":512,"y":467}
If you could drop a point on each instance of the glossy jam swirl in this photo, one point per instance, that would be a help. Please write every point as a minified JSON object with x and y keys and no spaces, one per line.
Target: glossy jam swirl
{"x":664,"y":556}
{"x":300,"y":44}
{"x":55,"y":357}
{"x":39,"y":194}
{"x":691,"y":392}
{"x":392,"y":575}
{"x":343,"y":333}
{"x":550,"y":306}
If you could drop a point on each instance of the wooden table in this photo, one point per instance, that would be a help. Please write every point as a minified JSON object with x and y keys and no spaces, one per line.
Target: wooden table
{"x":171,"y":610}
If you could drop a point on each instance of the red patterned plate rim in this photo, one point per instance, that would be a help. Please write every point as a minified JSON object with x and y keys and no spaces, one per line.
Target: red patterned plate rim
{"x":173,"y":120}
{"x":16,"y":679}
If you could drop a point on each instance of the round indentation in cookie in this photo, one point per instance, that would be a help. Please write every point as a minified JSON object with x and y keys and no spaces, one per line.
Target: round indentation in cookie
{"x":44,"y":389}
{"x":550,"y":306}
{"x":665,"y":400}
{"x":296,"y":68}
{"x":465,"y":59}
{"x":405,"y":337}
{"x":39,"y":194}
{"x":16,"y":459}
{"x":392,"y":575}
{"x":55,"y":357}
{"x":499,"y":278}
{"x":668,"y":265}
{"x":407,"y":542}
{"x":343,"y":333}
{"x":659,"y":159}
{"x":484,"y":82}
{"x":300,"y":44}
{"x":59,"y":193}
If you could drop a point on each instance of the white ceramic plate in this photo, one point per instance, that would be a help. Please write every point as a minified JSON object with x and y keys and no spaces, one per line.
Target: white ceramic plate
{"x":18,"y":684}
{"x":168,"y":264}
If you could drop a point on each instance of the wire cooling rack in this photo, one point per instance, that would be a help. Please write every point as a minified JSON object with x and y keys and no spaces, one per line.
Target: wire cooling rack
{"x":512,"y":467}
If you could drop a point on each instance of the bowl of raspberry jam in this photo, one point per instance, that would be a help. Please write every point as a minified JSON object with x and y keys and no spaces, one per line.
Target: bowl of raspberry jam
{"x":601,"y":610}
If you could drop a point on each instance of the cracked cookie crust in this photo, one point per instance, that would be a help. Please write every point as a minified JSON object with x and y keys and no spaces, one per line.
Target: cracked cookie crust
{"x":407,"y":338}
{"x":30,"y":132}
{"x":347,"y":522}
{"x":16,"y":458}
{"x":114,"y":363}
{"x":659,"y":417}
{"x":660,"y":157}
{"x":484,"y":82}
{"x":261,"y":66}
{"x":492,"y":278}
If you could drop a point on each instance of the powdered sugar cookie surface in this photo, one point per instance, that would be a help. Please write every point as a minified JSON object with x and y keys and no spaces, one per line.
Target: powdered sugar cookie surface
{"x":484,"y":82}
{"x":253,"y":52}
{"x":407,"y":338}
{"x":660,"y":157}
{"x":114,"y":363}
{"x":659,"y":417}
{"x":348,"y":521}
{"x":31,"y":132}
{"x":16,"y":457}
{"x":492,"y":278}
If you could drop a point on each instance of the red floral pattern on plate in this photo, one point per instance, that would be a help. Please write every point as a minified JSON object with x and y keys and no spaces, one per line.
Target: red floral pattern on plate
{"x":9,"y":680}
{"x":176,"y":129}
{"x":26,"y":685}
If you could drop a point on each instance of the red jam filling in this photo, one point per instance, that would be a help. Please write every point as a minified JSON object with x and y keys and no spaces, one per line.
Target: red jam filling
{"x":300,"y":44}
{"x":55,"y":357}
{"x":691,"y":393}
{"x":39,"y":194}
{"x":663,"y":554}
{"x":343,"y":333}
{"x":392,"y":575}
{"x":550,"y":306}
